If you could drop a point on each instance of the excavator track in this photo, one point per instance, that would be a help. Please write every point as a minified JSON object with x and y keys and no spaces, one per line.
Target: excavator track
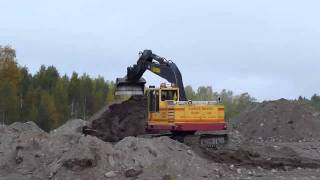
{"x":212,"y":141}
{"x":206,"y":141}
{"x":191,"y":139}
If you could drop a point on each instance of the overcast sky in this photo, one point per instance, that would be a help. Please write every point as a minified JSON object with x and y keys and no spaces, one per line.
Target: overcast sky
{"x":269,"y":48}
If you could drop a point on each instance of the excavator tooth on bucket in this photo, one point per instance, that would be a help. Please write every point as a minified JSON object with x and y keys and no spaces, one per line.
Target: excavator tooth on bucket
{"x":129,"y":88}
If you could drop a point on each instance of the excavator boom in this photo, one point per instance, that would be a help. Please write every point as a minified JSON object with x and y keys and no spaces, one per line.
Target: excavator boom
{"x":133,"y":83}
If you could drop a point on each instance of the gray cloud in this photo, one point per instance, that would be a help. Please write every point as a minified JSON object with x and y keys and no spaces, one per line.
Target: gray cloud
{"x":269,"y":49}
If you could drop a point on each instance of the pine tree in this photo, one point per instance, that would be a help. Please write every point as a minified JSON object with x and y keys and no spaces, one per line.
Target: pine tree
{"x":60,"y":95}
{"x":46,"y":78}
{"x":26,"y":80}
{"x":190,"y":93}
{"x":315,"y":101}
{"x":32,"y":102}
{"x":9,"y":102}
{"x":110,"y":93}
{"x":48,"y":115}
{"x":10,"y":77}
{"x":74,"y":95}
{"x":86,"y":96}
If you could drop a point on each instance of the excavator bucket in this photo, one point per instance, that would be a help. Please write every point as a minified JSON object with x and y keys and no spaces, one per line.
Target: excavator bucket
{"x":129,"y":88}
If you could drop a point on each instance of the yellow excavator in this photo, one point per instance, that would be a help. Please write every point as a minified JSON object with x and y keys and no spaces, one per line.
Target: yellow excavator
{"x":169,"y":110}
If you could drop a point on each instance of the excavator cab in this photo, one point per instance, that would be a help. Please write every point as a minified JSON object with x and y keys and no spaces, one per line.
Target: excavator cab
{"x":159,"y":97}
{"x":169,"y":95}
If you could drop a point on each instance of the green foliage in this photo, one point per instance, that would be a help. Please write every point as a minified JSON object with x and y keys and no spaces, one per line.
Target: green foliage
{"x":8,"y":102}
{"x":46,"y":78}
{"x":234,"y":104}
{"x":314,"y":101}
{"x":47,"y":98}
{"x":61,"y":100}
{"x":50,"y":99}
{"x":10,"y":77}
{"x":190,"y":92}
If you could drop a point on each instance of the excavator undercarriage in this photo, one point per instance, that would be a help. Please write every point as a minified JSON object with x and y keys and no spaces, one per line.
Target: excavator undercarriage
{"x":203,"y":140}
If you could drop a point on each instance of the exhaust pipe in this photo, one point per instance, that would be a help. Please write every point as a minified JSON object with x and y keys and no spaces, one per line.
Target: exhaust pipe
{"x":129,"y":88}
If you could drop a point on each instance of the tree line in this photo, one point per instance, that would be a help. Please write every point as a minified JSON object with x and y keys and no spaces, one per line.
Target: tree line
{"x":314,"y":101}
{"x":234,"y":104}
{"x":50,"y":99}
{"x":47,"y":98}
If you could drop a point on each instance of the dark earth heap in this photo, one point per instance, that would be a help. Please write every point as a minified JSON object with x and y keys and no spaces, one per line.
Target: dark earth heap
{"x":121,"y":120}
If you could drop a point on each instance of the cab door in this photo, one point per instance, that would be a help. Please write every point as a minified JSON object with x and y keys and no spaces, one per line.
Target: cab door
{"x":153,"y":100}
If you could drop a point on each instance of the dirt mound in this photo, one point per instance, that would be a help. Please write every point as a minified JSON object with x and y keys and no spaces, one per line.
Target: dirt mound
{"x":280,"y":120}
{"x":25,"y":127}
{"x":157,"y":157}
{"x":29,"y":153}
{"x":121,"y":120}
{"x":33,"y":154}
{"x":71,"y":126}
{"x":269,"y":155}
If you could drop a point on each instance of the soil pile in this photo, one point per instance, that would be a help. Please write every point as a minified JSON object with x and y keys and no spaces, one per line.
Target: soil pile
{"x":26,"y":152}
{"x":280,"y":120}
{"x":161,"y":157}
{"x":121,"y":120}
{"x":73,"y":126}
{"x":270,"y":155}
{"x":29,"y":153}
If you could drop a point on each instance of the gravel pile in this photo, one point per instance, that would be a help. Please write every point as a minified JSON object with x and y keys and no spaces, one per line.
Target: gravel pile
{"x":27,"y":152}
{"x":280,"y":120}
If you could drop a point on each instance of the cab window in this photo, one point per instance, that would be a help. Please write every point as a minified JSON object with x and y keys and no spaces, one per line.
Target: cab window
{"x":169,"y":95}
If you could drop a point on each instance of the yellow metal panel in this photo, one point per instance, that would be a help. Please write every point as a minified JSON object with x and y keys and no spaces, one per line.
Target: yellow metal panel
{"x":189,"y":113}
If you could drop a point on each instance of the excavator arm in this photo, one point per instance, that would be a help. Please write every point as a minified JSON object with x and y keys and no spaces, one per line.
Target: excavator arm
{"x":133,"y":83}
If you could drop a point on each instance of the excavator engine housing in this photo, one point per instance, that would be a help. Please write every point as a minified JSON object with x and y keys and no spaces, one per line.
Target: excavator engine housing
{"x":167,"y":112}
